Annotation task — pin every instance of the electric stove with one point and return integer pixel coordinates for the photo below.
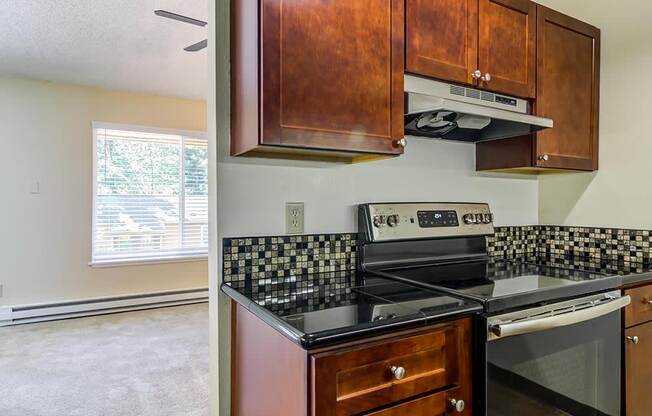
(546, 341)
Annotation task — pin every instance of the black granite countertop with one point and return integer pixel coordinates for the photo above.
(630, 273)
(320, 315)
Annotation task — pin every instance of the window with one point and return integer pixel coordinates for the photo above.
(150, 198)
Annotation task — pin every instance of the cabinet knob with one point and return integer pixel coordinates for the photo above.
(400, 143)
(634, 339)
(648, 301)
(457, 405)
(476, 74)
(397, 372)
(486, 77)
(544, 157)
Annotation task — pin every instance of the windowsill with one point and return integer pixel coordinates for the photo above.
(142, 262)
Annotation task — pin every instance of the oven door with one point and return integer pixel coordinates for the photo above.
(560, 359)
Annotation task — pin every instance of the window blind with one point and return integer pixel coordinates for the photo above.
(150, 196)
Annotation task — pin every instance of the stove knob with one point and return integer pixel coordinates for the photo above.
(486, 218)
(468, 219)
(378, 221)
(392, 220)
(478, 218)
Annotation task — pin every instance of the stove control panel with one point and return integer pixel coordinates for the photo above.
(400, 221)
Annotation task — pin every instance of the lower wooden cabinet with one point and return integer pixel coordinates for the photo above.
(352, 380)
(638, 370)
(638, 351)
(424, 371)
(438, 404)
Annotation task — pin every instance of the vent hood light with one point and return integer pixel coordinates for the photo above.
(451, 112)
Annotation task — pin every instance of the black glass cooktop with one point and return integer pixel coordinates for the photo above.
(375, 304)
(505, 284)
(367, 306)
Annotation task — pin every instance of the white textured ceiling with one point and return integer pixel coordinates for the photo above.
(116, 44)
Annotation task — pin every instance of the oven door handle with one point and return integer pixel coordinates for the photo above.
(527, 326)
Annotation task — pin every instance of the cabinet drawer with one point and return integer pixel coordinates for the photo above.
(640, 310)
(438, 404)
(360, 378)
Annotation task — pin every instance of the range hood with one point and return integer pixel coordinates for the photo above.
(452, 112)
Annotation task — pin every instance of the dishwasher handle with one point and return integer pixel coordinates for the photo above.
(569, 317)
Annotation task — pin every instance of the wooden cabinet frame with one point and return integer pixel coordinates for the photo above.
(296, 91)
(272, 375)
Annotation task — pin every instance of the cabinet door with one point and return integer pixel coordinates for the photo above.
(568, 72)
(507, 46)
(442, 38)
(638, 370)
(332, 74)
(352, 381)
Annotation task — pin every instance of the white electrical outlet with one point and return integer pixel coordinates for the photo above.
(294, 217)
(34, 187)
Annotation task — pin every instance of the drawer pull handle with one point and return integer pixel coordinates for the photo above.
(458, 405)
(634, 339)
(649, 302)
(397, 372)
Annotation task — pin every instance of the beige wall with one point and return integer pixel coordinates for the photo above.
(45, 130)
(618, 194)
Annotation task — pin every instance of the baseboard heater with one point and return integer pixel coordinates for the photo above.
(14, 315)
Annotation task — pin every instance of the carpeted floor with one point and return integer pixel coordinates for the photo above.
(152, 362)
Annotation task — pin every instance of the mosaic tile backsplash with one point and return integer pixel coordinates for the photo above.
(589, 243)
(283, 270)
(513, 241)
(282, 258)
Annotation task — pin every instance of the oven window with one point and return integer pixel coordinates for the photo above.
(572, 370)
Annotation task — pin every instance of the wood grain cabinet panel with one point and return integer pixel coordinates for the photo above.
(442, 39)
(271, 375)
(434, 405)
(638, 370)
(359, 379)
(640, 309)
(329, 76)
(507, 46)
(567, 91)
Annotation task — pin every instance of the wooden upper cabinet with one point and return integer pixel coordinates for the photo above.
(442, 38)
(451, 39)
(328, 77)
(507, 46)
(568, 85)
(567, 91)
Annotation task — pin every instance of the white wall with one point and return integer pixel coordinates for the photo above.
(618, 194)
(45, 132)
(254, 192)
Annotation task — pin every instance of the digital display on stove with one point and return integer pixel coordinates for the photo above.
(431, 219)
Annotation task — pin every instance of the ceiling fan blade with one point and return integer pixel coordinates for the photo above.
(179, 17)
(196, 46)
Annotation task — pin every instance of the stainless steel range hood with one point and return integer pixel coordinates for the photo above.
(452, 112)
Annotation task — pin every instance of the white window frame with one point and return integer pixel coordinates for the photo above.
(197, 255)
